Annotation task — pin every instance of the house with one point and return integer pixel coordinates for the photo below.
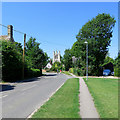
(48, 65)
(8, 37)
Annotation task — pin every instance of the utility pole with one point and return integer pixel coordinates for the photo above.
(86, 59)
(23, 56)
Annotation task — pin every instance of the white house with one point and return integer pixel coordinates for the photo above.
(48, 65)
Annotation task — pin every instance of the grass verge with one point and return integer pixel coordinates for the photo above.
(63, 104)
(67, 73)
(105, 94)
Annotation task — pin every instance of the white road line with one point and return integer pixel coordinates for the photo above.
(29, 88)
(3, 96)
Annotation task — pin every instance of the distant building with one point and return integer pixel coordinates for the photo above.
(56, 56)
(8, 37)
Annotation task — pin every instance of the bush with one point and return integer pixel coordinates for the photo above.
(11, 62)
(12, 65)
(71, 70)
(116, 72)
(77, 71)
(57, 65)
(30, 72)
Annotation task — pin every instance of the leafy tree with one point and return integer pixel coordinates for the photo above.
(108, 60)
(67, 59)
(35, 57)
(11, 61)
(98, 33)
(117, 66)
(57, 66)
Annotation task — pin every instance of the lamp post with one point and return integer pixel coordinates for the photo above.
(86, 59)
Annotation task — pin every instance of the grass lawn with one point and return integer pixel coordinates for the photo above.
(67, 73)
(63, 104)
(105, 95)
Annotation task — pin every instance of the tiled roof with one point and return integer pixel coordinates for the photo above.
(4, 37)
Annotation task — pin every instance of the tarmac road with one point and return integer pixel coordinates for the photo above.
(19, 100)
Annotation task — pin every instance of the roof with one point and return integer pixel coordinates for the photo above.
(4, 37)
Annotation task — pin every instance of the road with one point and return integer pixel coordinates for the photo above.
(19, 100)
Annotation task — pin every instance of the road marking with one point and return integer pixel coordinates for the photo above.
(29, 87)
(3, 96)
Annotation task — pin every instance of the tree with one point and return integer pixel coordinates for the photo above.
(35, 57)
(11, 61)
(67, 59)
(108, 60)
(117, 66)
(98, 33)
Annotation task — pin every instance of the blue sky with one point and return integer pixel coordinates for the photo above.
(55, 25)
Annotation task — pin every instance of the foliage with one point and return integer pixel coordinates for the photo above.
(108, 60)
(66, 72)
(12, 65)
(67, 59)
(11, 61)
(30, 72)
(117, 66)
(77, 71)
(64, 103)
(57, 66)
(97, 32)
(35, 57)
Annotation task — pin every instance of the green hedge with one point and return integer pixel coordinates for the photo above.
(32, 72)
(117, 72)
(12, 65)
(77, 71)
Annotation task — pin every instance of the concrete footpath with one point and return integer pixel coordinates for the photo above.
(87, 107)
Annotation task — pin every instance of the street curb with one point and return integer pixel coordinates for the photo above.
(44, 101)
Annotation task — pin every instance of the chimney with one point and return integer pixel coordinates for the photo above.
(10, 32)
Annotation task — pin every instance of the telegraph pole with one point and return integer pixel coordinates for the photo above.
(86, 59)
(23, 56)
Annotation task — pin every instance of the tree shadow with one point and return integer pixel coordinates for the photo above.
(6, 87)
(28, 80)
(50, 74)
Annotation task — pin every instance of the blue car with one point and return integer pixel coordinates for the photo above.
(106, 72)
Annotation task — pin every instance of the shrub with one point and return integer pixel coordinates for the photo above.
(77, 71)
(11, 62)
(116, 72)
(71, 70)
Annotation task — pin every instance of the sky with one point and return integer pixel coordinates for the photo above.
(56, 24)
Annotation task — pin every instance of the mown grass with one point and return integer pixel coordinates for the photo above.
(66, 72)
(105, 95)
(63, 104)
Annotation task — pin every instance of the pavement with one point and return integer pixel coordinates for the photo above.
(87, 107)
(19, 100)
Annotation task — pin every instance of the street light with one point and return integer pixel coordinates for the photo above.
(86, 59)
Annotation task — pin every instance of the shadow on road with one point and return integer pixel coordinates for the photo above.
(6, 87)
(50, 74)
(28, 80)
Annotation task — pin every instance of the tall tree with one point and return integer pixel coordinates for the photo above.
(67, 59)
(35, 56)
(97, 33)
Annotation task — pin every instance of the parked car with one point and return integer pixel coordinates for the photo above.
(106, 72)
